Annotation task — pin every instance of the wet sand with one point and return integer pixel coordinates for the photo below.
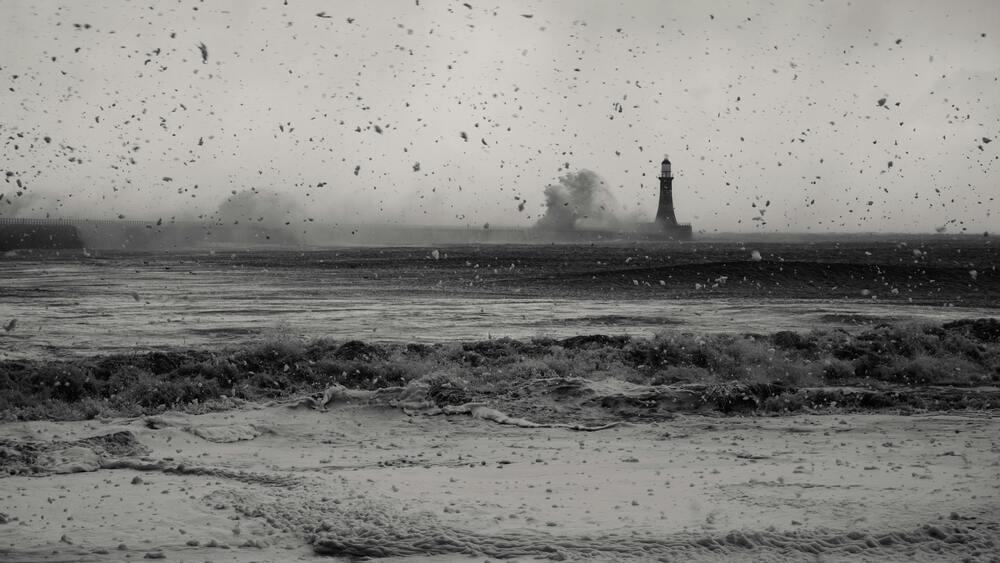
(360, 480)
(664, 483)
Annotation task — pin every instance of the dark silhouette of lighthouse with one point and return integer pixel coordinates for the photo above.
(665, 216)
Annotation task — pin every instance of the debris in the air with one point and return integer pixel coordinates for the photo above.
(263, 284)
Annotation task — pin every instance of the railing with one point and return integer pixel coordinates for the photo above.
(70, 221)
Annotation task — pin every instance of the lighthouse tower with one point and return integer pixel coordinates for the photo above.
(665, 216)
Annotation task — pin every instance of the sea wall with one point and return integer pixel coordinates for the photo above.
(18, 236)
(148, 235)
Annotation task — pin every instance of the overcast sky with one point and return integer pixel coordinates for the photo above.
(787, 115)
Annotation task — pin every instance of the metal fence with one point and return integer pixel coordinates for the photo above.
(70, 221)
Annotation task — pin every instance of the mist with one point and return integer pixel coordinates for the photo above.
(443, 114)
(20, 205)
(580, 200)
(271, 210)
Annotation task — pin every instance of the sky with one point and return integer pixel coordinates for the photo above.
(821, 116)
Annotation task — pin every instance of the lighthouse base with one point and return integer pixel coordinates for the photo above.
(661, 229)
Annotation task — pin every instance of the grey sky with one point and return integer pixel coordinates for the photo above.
(755, 102)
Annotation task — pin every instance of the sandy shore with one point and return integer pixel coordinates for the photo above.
(375, 481)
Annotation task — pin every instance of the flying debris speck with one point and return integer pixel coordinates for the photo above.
(531, 130)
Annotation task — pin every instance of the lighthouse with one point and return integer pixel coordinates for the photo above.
(665, 216)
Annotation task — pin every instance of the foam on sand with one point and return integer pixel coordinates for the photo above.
(363, 527)
(414, 399)
(219, 433)
(32, 457)
(226, 433)
(366, 480)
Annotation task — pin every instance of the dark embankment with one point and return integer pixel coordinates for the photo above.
(146, 236)
(44, 237)
(131, 235)
(954, 365)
